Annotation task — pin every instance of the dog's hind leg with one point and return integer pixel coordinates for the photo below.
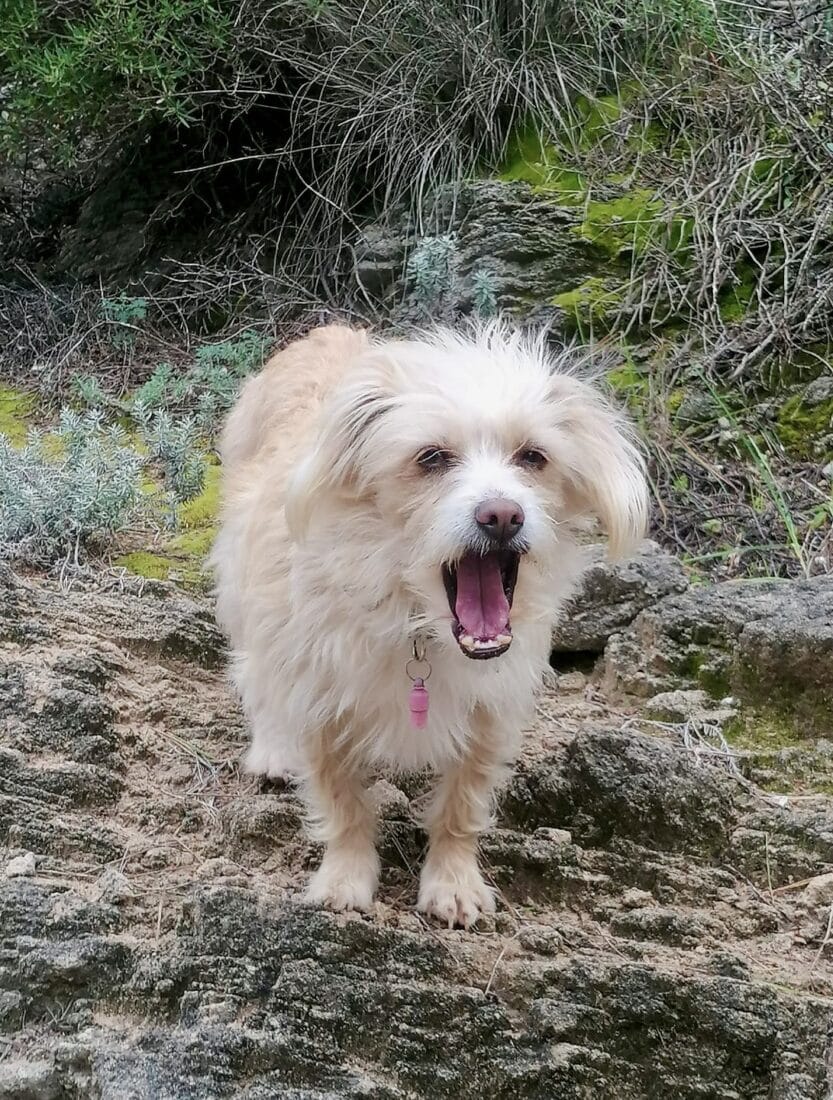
(452, 889)
(343, 817)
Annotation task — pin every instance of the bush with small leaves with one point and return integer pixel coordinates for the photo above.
(484, 290)
(61, 493)
(174, 445)
(123, 313)
(205, 390)
(432, 272)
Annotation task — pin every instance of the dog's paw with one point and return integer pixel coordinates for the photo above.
(455, 895)
(272, 761)
(344, 883)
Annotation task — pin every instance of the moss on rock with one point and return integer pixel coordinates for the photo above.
(201, 512)
(16, 409)
(801, 426)
(182, 555)
(146, 563)
(622, 224)
(590, 304)
(532, 160)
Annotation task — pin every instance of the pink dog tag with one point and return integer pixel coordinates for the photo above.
(418, 704)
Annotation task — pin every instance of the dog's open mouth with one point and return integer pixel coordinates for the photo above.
(480, 588)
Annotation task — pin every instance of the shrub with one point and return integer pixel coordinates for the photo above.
(174, 445)
(204, 391)
(123, 313)
(78, 69)
(432, 271)
(75, 488)
(61, 493)
(293, 118)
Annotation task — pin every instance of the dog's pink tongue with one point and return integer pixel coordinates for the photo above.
(482, 607)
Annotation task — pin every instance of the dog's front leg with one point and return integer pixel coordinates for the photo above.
(451, 885)
(344, 820)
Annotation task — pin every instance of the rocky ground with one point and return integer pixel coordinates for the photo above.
(664, 857)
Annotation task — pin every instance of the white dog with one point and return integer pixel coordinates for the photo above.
(398, 512)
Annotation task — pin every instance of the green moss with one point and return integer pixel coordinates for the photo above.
(16, 409)
(734, 301)
(534, 161)
(203, 509)
(624, 224)
(800, 426)
(589, 304)
(675, 399)
(193, 545)
(182, 556)
(780, 752)
(181, 562)
(764, 731)
(631, 385)
(708, 667)
(145, 563)
(596, 117)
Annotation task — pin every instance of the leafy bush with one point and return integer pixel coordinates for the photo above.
(432, 271)
(291, 118)
(204, 391)
(123, 313)
(61, 493)
(174, 445)
(78, 486)
(90, 67)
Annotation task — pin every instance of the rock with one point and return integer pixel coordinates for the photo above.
(114, 887)
(612, 595)
(519, 240)
(21, 1080)
(625, 785)
(636, 899)
(769, 644)
(818, 891)
(21, 866)
(572, 681)
(389, 801)
(667, 926)
(694, 705)
(163, 950)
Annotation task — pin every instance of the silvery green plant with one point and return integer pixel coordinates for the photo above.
(484, 293)
(61, 493)
(431, 272)
(174, 445)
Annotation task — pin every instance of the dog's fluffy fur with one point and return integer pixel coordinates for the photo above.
(330, 563)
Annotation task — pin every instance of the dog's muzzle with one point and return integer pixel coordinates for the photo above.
(480, 588)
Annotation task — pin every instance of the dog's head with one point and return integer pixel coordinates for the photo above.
(473, 456)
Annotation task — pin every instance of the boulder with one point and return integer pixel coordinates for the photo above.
(612, 594)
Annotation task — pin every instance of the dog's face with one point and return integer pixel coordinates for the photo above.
(470, 459)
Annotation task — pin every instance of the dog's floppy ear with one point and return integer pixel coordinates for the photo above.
(605, 471)
(345, 429)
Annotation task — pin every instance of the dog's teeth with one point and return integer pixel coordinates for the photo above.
(467, 641)
(503, 639)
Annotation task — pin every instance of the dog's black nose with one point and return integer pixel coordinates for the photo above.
(499, 518)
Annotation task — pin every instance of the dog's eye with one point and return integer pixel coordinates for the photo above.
(532, 458)
(434, 459)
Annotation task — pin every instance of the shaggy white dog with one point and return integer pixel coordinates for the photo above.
(398, 512)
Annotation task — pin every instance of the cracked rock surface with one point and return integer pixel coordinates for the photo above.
(664, 905)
